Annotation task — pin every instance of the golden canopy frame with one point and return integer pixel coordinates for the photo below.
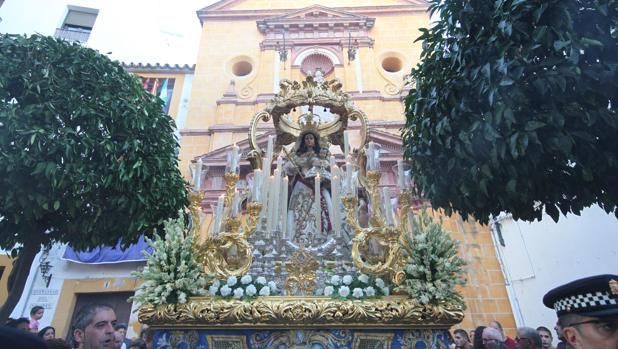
(292, 94)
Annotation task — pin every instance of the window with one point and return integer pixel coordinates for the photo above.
(77, 24)
(162, 87)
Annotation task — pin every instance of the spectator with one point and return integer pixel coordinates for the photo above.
(560, 334)
(13, 338)
(138, 344)
(93, 327)
(21, 324)
(461, 339)
(147, 336)
(528, 338)
(546, 337)
(36, 313)
(121, 328)
(118, 343)
(47, 333)
(493, 339)
(510, 343)
(57, 343)
(587, 311)
(477, 339)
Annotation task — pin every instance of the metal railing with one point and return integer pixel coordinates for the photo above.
(72, 34)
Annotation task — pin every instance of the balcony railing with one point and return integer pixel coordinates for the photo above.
(72, 34)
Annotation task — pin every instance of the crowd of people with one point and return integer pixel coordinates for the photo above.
(493, 337)
(587, 311)
(94, 327)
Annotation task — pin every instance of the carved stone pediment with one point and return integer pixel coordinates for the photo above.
(316, 24)
(316, 14)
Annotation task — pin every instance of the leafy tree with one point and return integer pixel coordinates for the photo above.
(514, 107)
(88, 157)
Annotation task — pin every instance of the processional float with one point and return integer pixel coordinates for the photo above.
(294, 282)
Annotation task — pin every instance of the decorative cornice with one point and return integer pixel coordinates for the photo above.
(316, 25)
(159, 68)
(305, 312)
(354, 96)
(218, 11)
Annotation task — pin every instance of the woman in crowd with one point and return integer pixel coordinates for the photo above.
(47, 333)
(478, 338)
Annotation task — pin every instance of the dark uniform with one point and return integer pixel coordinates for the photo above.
(587, 310)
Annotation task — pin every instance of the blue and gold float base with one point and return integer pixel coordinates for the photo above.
(301, 323)
(300, 339)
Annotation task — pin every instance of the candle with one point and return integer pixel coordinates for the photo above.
(236, 204)
(279, 163)
(269, 154)
(318, 208)
(346, 144)
(335, 219)
(198, 175)
(276, 193)
(333, 164)
(370, 156)
(265, 192)
(235, 158)
(348, 178)
(400, 174)
(284, 206)
(388, 209)
(218, 214)
(271, 200)
(256, 186)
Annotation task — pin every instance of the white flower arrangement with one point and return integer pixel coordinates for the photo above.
(360, 286)
(247, 287)
(433, 268)
(172, 274)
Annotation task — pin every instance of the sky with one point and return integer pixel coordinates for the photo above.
(138, 31)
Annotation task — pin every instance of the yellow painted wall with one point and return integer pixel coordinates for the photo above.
(485, 294)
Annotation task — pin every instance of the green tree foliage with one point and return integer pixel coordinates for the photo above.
(88, 157)
(514, 107)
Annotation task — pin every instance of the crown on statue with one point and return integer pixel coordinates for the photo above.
(309, 122)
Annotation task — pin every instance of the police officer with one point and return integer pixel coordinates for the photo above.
(587, 310)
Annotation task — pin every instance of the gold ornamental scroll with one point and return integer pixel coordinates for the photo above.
(292, 94)
(302, 312)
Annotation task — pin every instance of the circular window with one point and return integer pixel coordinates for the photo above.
(242, 68)
(392, 64)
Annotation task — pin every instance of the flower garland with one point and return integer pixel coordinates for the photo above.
(355, 287)
(171, 274)
(245, 288)
(433, 268)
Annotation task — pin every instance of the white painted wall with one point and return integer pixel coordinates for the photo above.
(145, 31)
(541, 255)
(36, 291)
